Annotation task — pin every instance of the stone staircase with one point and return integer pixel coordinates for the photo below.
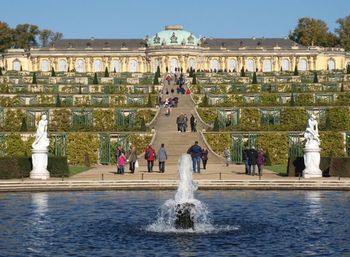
(166, 130)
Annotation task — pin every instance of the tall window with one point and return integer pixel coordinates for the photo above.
(80, 65)
(232, 65)
(191, 63)
(116, 65)
(155, 65)
(302, 65)
(267, 66)
(285, 64)
(214, 65)
(133, 66)
(331, 64)
(45, 65)
(173, 64)
(97, 66)
(16, 65)
(62, 65)
(250, 65)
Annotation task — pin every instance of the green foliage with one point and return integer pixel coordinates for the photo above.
(34, 78)
(315, 77)
(338, 119)
(250, 119)
(255, 81)
(269, 142)
(343, 33)
(348, 69)
(296, 72)
(332, 144)
(58, 101)
(81, 144)
(106, 73)
(242, 72)
(194, 79)
(61, 120)
(95, 80)
(24, 127)
(205, 101)
(103, 119)
(140, 141)
(269, 99)
(53, 73)
(191, 72)
(293, 119)
(13, 120)
(149, 101)
(305, 99)
(218, 142)
(156, 80)
(208, 115)
(147, 116)
(0, 71)
(16, 146)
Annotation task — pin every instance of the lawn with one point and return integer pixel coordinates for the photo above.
(73, 170)
(280, 169)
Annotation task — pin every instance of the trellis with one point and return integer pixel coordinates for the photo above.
(271, 116)
(238, 142)
(296, 145)
(126, 118)
(82, 119)
(33, 116)
(228, 117)
(108, 143)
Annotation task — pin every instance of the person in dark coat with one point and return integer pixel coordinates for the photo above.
(252, 158)
(245, 160)
(195, 151)
(162, 157)
(204, 157)
(193, 123)
(150, 156)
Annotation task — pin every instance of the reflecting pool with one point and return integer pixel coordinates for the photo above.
(117, 223)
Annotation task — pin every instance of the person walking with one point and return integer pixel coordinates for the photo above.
(193, 123)
(252, 157)
(185, 123)
(132, 157)
(227, 156)
(245, 160)
(162, 157)
(150, 156)
(261, 161)
(121, 162)
(117, 152)
(195, 152)
(204, 157)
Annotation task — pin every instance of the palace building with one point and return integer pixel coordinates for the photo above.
(173, 48)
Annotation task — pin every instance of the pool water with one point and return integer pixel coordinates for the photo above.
(116, 223)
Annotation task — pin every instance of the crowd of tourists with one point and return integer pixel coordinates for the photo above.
(254, 158)
(182, 123)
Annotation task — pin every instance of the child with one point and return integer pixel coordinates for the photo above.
(121, 163)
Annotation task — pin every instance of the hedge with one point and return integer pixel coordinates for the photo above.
(17, 167)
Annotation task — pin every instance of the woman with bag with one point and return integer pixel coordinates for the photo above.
(132, 157)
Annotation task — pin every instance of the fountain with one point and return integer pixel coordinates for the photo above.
(184, 212)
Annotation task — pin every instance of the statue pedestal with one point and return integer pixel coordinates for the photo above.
(312, 163)
(39, 161)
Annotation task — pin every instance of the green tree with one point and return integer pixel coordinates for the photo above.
(149, 101)
(0, 71)
(156, 80)
(348, 69)
(191, 72)
(58, 101)
(315, 77)
(158, 71)
(6, 36)
(34, 79)
(194, 79)
(25, 36)
(205, 101)
(309, 32)
(106, 73)
(296, 72)
(44, 37)
(53, 73)
(24, 127)
(242, 72)
(255, 81)
(95, 80)
(344, 32)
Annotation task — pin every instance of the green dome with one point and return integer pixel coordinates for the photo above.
(173, 36)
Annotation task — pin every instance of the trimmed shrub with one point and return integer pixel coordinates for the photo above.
(34, 79)
(106, 73)
(255, 81)
(95, 80)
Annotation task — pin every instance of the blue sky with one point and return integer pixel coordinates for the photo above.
(136, 19)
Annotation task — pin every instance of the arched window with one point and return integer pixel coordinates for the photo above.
(250, 65)
(16, 65)
(80, 65)
(116, 65)
(214, 65)
(62, 65)
(331, 64)
(285, 64)
(267, 66)
(155, 65)
(97, 66)
(133, 66)
(302, 65)
(191, 63)
(45, 65)
(232, 65)
(173, 64)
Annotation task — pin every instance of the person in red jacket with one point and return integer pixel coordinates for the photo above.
(150, 156)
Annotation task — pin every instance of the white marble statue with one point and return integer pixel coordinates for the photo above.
(40, 151)
(41, 141)
(312, 149)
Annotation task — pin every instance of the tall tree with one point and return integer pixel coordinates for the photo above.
(25, 36)
(255, 81)
(44, 37)
(311, 31)
(6, 35)
(106, 73)
(344, 32)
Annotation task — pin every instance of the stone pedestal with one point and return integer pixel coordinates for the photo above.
(312, 163)
(39, 161)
